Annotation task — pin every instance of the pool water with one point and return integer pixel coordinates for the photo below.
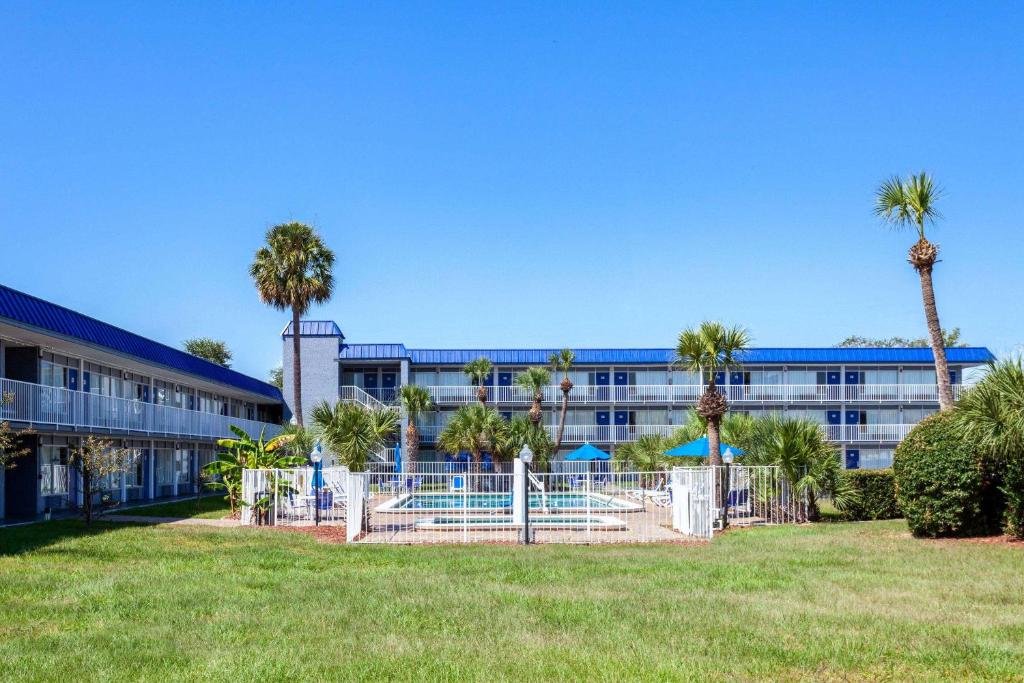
(577, 522)
(501, 501)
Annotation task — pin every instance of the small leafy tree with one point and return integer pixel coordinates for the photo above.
(94, 459)
(10, 439)
(478, 371)
(353, 432)
(277, 377)
(213, 350)
(245, 453)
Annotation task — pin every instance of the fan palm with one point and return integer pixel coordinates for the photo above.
(478, 371)
(646, 454)
(991, 415)
(293, 270)
(910, 204)
(353, 432)
(706, 350)
(534, 380)
(561, 361)
(472, 428)
(415, 400)
(805, 457)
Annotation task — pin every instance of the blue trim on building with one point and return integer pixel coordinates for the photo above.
(25, 310)
(314, 328)
(766, 356)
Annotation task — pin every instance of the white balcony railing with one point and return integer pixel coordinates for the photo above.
(43, 406)
(576, 434)
(689, 393)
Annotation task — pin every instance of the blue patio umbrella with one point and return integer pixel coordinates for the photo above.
(698, 448)
(588, 452)
(398, 458)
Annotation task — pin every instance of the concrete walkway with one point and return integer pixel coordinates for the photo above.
(182, 521)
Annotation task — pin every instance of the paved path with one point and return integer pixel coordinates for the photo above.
(183, 521)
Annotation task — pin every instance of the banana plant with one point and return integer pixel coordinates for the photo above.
(245, 453)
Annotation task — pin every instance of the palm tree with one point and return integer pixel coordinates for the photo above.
(561, 361)
(805, 457)
(507, 442)
(705, 351)
(293, 270)
(415, 400)
(910, 204)
(353, 432)
(646, 454)
(991, 416)
(534, 380)
(478, 371)
(472, 428)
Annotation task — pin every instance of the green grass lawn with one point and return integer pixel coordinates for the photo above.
(832, 601)
(207, 507)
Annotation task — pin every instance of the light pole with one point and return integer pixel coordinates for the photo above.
(316, 457)
(526, 456)
(727, 460)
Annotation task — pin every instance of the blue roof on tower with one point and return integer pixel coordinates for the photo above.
(658, 356)
(25, 310)
(315, 328)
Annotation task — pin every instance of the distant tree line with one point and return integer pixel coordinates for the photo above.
(951, 338)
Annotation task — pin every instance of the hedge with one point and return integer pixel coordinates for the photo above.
(942, 485)
(876, 495)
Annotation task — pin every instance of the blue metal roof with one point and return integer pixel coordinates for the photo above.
(31, 312)
(765, 356)
(315, 328)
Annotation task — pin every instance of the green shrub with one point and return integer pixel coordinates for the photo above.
(941, 483)
(875, 495)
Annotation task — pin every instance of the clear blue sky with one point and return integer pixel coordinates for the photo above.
(515, 175)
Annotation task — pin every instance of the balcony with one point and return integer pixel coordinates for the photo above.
(42, 406)
(688, 393)
(577, 434)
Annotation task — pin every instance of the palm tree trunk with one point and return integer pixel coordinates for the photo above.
(561, 421)
(536, 411)
(296, 367)
(412, 447)
(931, 315)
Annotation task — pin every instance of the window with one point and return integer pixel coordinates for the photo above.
(183, 466)
(876, 459)
(164, 466)
(134, 474)
(919, 376)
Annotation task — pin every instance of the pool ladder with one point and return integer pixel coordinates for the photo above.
(540, 487)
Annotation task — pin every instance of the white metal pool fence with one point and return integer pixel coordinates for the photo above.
(487, 507)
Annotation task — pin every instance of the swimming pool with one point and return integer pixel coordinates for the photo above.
(457, 502)
(577, 522)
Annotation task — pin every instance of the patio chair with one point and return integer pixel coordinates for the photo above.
(739, 500)
(664, 499)
(295, 508)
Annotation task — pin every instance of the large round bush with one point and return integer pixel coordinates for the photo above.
(941, 482)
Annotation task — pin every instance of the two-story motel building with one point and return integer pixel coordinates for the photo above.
(867, 399)
(64, 375)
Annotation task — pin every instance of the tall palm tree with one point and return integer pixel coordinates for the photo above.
(353, 432)
(478, 371)
(534, 380)
(561, 361)
(472, 428)
(293, 270)
(706, 350)
(910, 204)
(415, 400)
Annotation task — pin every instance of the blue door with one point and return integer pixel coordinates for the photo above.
(952, 376)
(145, 394)
(387, 385)
(191, 402)
(852, 377)
(601, 380)
(85, 382)
(489, 379)
(832, 377)
(853, 417)
(720, 378)
(504, 379)
(834, 417)
(621, 425)
(852, 459)
(602, 418)
(73, 379)
(621, 382)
